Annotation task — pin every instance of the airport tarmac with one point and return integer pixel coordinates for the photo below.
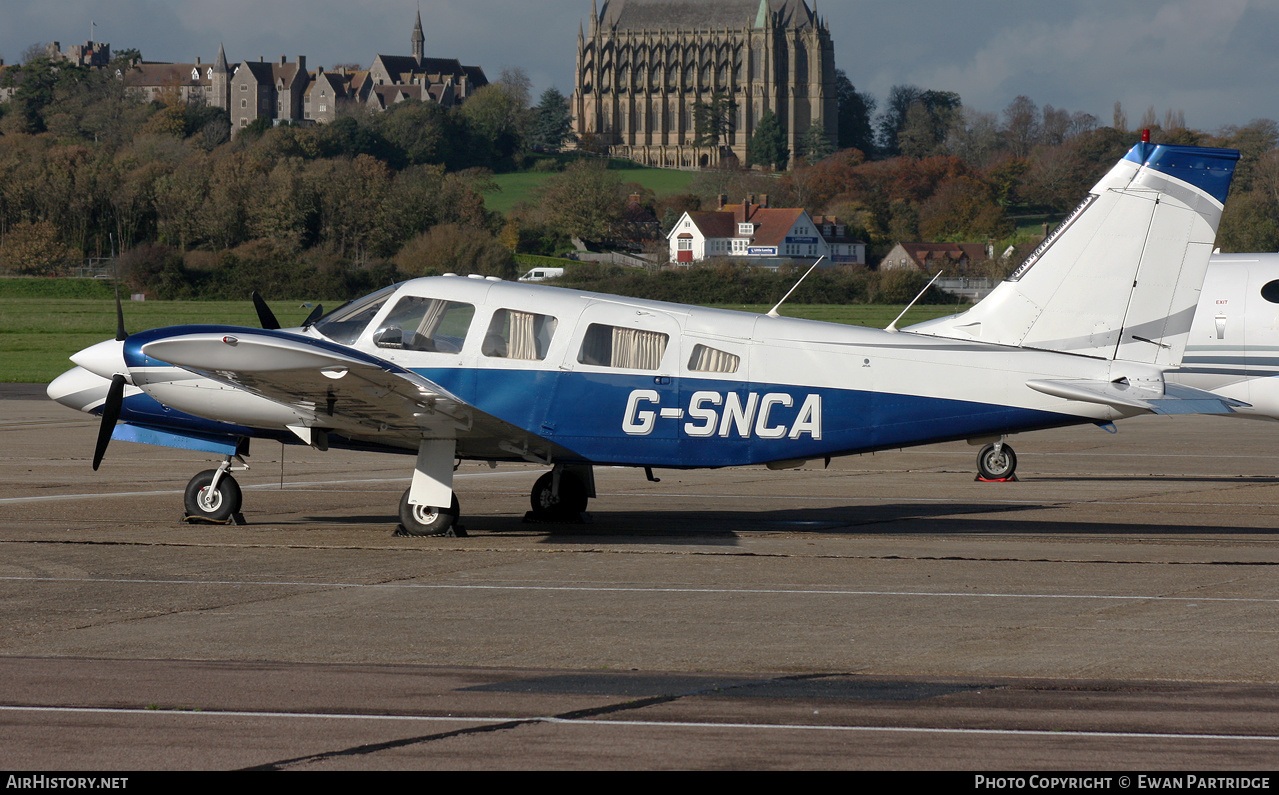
(1116, 609)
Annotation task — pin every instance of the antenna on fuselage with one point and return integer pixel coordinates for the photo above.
(892, 327)
(773, 312)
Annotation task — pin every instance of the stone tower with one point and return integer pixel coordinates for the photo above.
(220, 82)
(419, 40)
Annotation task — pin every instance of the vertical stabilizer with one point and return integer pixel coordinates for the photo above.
(1120, 277)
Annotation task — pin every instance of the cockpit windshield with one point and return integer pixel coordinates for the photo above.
(347, 322)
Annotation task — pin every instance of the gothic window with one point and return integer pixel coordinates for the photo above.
(639, 77)
(706, 76)
(623, 76)
(722, 77)
(657, 77)
(605, 76)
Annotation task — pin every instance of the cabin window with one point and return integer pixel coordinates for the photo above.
(1270, 291)
(519, 335)
(710, 360)
(611, 346)
(347, 322)
(425, 324)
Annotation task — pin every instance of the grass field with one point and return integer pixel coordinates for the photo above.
(518, 187)
(38, 334)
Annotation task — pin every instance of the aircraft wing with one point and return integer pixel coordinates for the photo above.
(343, 390)
(1158, 398)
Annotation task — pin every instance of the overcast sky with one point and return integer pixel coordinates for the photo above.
(1213, 59)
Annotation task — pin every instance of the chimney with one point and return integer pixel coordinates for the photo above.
(723, 199)
(301, 63)
(763, 200)
(197, 60)
(260, 59)
(283, 60)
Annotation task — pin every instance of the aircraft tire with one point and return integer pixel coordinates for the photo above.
(218, 506)
(996, 466)
(572, 499)
(427, 520)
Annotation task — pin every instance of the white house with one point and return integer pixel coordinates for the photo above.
(763, 235)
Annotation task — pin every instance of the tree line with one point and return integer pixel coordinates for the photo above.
(88, 169)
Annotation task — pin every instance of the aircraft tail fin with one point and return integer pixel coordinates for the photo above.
(1120, 277)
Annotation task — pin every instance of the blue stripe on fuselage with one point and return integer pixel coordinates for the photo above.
(586, 412)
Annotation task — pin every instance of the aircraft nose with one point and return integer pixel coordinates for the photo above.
(104, 359)
(79, 389)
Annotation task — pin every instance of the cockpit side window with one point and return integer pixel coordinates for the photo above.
(613, 346)
(519, 335)
(425, 324)
(347, 322)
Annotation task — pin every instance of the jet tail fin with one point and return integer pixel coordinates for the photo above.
(1120, 277)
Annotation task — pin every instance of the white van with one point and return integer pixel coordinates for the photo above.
(542, 274)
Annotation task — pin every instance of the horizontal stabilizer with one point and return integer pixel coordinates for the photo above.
(1155, 397)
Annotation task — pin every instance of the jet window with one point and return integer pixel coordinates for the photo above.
(347, 322)
(1270, 291)
(710, 360)
(610, 346)
(425, 324)
(519, 335)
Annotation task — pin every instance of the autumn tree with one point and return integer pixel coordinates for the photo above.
(450, 248)
(583, 201)
(35, 249)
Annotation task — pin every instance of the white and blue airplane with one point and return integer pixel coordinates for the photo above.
(449, 368)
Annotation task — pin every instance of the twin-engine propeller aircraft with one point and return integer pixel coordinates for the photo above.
(450, 368)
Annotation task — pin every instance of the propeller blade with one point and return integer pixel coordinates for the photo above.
(120, 334)
(315, 315)
(110, 413)
(265, 316)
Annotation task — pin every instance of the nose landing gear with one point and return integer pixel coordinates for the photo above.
(214, 497)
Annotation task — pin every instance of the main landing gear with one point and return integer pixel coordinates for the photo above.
(214, 496)
(429, 520)
(561, 494)
(997, 462)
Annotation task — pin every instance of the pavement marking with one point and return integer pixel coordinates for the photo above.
(550, 720)
(649, 589)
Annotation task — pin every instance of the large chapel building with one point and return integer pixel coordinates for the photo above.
(645, 65)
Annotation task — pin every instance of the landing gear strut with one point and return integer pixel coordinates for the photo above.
(996, 462)
(214, 496)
